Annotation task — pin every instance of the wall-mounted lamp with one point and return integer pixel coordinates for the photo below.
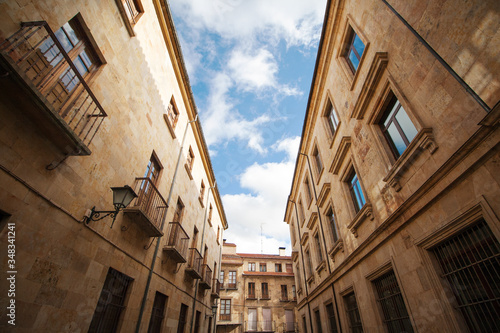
(122, 197)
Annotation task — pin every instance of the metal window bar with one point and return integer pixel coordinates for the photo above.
(470, 262)
(195, 260)
(391, 301)
(331, 318)
(178, 238)
(71, 98)
(353, 313)
(158, 313)
(207, 274)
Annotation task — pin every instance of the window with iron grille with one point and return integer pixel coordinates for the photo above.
(284, 292)
(330, 312)
(351, 307)
(391, 301)
(182, 318)
(225, 309)
(111, 302)
(158, 313)
(356, 192)
(317, 316)
(470, 263)
(397, 127)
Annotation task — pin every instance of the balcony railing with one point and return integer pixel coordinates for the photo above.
(206, 281)
(251, 296)
(216, 288)
(232, 286)
(260, 326)
(58, 99)
(149, 207)
(266, 296)
(177, 243)
(194, 264)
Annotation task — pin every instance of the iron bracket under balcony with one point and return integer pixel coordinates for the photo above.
(67, 114)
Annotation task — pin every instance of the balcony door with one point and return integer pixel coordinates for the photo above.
(146, 191)
(290, 321)
(252, 319)
(267, 322)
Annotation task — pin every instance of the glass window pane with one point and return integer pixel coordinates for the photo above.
(71, 33)
(86, 59)
(354, 60)
(406, 124)
(63, 39)
(358, 45)
(396, 139)
(80, 66)
(389, 116)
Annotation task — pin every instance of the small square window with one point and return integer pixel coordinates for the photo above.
(251, 267)
(354, 50)
(172, 113)
(190, 159)
(133, 9)
(278, 268)
(263, 267)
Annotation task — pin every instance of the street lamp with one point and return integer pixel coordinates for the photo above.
(122, 197)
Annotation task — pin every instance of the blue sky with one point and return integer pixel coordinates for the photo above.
(250, 64)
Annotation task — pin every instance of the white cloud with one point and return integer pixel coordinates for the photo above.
(253, 71)
(269, 184)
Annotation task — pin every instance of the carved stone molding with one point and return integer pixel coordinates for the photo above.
(345, 145)
(365, 213)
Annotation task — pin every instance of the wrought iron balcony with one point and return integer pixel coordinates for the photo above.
(260, 326)
(194, 264)
(41, 81)
(216, 288)
(206, 281)
(177, 243)
(149, 208)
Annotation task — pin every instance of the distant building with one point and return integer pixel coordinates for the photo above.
(395, 202)
(94, 95)
(257, 292)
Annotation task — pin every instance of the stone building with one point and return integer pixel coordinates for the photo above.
(393, 211)
(94, 95)
(257, 292)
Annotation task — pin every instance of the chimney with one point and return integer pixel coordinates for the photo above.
(282, 251)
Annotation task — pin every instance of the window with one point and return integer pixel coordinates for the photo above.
(265, 290)
(330, 312)
(277, 268)
(333, 225)
(263, 267)
(351, 307)
(172, 113)
(289, 268)
(292, 232)
(133, 9)
(309, 263)
(317, 160)
(225, 309)
(318, 247)
(307, 186)
(304, 323)
(231, 283)
(469, 262)
(182, 318)
(299, 278)
(158, 313)
(111, 302)
(301, 211)
(284, 292)
(397, 127)
(294, 293)
(251, 289)
(202, 191)
(391, 301)
(197, 322)
(210, 211)
(331, 118)
(179, 211)
(218, 234)
(190, 159)
(356, 191)
(317, 316)
(221, 279)
(251, 267)
(354, 50)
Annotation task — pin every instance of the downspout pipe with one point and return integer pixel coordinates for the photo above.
(436, 55)
(303, 264)
(201, 249)
(148, 283)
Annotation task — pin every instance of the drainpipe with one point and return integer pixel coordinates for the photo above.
(303, 264)
(323, 234)
(201, 248)
(145, 296)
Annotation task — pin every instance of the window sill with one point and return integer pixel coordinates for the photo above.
(265, 298)
(338, 246)
(252, 298)
(423, 140)
(321, 266)
(169, 126)
(364, 213)
(188, 170)
(310, 279)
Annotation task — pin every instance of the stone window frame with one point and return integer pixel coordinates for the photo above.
(307, 182)
(319, 165)
(309, 265)
(327, 108)
(210, 212)
(358, 217)
(189, 162)
(424, 140)
(455, 224)
(302, 214)
(172, 117)
(351, 27)
(130, 18)
(202, 194)
(344, 293)
(318, 252)
(337, 245)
